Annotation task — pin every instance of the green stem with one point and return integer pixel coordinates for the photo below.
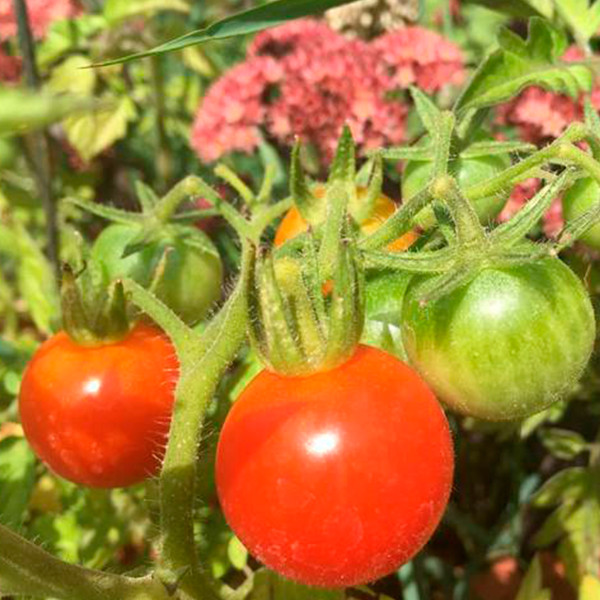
(26, 569)
(194, 186)
(522, 170)
(40, 144)
(202, 363)
(163, 164)
(578, 157)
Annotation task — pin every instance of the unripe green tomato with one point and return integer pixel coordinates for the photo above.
(384, 297)
(580, 197)
(193, 276)
(8, 153)
(506, 345)
(468, 171)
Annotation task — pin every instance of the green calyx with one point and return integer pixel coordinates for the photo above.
(299, 322)
(364, 188)
(93, 313)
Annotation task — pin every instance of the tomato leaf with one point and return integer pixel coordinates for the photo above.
(531, 588)
(17, 478)
(566, 486)
(520, 63)
(243, 23)
(562, 443)
(581, 17)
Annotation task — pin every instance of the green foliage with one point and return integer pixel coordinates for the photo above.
(520, 63)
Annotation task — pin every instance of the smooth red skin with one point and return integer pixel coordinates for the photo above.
(99, 416)
(363, 506)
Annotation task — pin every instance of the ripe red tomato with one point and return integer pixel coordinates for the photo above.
(99, 416)
(506, 345)
(337, 478)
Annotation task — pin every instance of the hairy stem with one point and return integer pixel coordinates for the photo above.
(26, 569)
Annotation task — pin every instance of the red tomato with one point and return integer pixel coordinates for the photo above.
(337, 478)
(99, 416)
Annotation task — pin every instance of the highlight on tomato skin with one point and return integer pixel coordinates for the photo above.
(99, 416)
(337, 478)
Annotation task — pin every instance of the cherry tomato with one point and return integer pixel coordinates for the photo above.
(385, 292)
(506, 345)
(337, 478)
(294, 224)
(578, 199)
(468, 171)
(99, 416)
(192, 279)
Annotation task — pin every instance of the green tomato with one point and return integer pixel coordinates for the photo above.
(384, 297)
(468, 171)
(582, 195)
(193, 275)
(506, 345)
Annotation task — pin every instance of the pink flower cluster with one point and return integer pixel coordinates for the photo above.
(304, 79)
(10, 68)
(542, 116)
(41, 14)
(552, 221)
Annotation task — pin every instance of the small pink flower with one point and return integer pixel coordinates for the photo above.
(41, 14)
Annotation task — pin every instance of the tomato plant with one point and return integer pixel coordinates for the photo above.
(294, 223)
(506, 345)
(99, 415)
(336, 478)
(385, 291)
(578, 199)
(192, 277)
(468, 171)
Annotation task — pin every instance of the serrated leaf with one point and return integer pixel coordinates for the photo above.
(562, 443)
(243, 23)
(270, 586)
(17, 477)
(566, 486)
(73, 76)
(519, 63)
(118, 10)
(428, 112)
(532, 584)
(92, 133)
(589, 588)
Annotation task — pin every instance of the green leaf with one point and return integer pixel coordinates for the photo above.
(566, 486)
(37, 284)
(419, 152)
(72, 76)
(562, 443)
(589, 588)
(531, 588)
(247, 22)
(92, 133)
(518, 8)
(581, 18)
(22, 111)
(118, 10)
(237, 553)
(428, 112)
(520, 63)
(270, 586)
(17, 477)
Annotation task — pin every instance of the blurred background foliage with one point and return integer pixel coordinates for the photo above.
(524, 520)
